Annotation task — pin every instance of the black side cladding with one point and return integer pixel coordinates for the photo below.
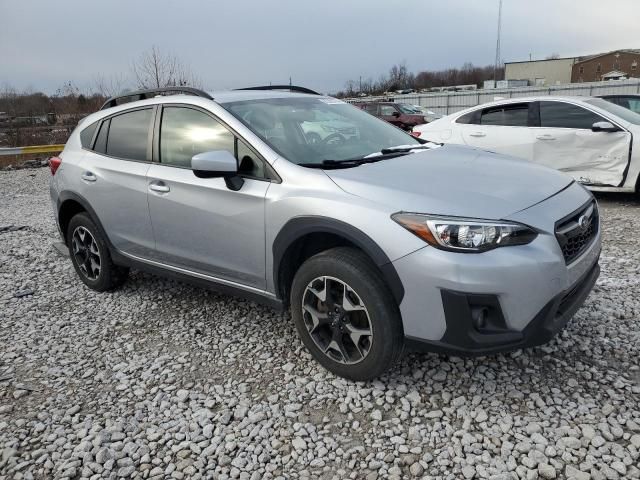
(300, 226)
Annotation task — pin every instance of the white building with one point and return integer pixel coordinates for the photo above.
(553, 71)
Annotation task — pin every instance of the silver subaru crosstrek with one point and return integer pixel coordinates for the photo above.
(378, 242)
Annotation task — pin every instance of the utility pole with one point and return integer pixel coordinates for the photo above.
(360, 90)
(497, 62)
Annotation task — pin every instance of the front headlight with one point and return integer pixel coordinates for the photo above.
(465, 234)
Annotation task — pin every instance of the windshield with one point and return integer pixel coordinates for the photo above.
(617, 110)
(309, 130)
(407, 108)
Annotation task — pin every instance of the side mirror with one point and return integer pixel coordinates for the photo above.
(604, 127)
(217, 163)
(396, 114)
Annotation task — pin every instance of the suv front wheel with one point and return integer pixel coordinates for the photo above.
(90, 255)
(346, 315)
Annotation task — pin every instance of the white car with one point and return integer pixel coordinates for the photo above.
(588, 138)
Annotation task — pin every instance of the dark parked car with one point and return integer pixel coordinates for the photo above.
(403, 116)
(629, 101)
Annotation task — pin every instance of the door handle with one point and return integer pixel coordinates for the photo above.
(477, 134)
(88, 176)
(159, 187)
(546, 137)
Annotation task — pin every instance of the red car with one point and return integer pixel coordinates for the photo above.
(400, 115)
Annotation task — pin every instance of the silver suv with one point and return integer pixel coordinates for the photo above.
(378, 242)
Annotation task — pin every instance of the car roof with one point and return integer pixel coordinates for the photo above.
(506, 101)
(220, 97)
(226, 96)
(615, 95)
(564, 98)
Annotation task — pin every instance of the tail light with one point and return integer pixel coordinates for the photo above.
(54, 164)
(415, 134)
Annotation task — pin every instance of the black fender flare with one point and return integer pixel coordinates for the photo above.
(65, 195)
(299, 226)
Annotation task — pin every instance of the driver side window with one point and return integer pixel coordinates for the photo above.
(248, 163)
(185, 132)
(387, 110)
(567, 115)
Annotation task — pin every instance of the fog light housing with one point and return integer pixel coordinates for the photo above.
(479, 316)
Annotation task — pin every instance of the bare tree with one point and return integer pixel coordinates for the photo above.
(155, 69)
(400, 77)
(110, 86)
(350, 88)
(9, 99)
(553, 56)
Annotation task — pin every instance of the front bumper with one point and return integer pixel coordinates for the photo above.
(502, 299)
(464, 337)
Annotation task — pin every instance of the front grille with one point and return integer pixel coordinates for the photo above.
(576, 232)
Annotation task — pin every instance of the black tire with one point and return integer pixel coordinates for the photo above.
(353, 268)
(110, 275)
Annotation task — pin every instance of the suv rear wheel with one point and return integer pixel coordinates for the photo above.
(346, 315)
(90, 255)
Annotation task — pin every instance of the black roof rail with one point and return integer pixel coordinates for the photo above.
(154, 92)
(291, 88)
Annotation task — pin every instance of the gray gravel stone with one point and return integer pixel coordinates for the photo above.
(163, 380)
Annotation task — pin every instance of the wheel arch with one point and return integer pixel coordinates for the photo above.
(70, 204)
(302, 237)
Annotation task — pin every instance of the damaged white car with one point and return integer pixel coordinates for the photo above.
(587, 138)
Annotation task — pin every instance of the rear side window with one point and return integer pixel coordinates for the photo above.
(467, 118)
(371, 108)
(101, 139)
(87, 135)
(129, 135)
(185, 132)
(506, 115)
(566, 115)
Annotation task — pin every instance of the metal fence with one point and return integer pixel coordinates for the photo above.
(31, 150)
(445, 103)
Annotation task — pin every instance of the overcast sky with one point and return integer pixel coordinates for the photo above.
(320, 44)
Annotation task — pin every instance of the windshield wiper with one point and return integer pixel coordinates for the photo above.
(407, 148)
(385, 153)
(353, 162)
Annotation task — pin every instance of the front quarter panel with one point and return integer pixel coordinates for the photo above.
(311, 193)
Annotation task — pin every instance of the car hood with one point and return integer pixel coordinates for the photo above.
(453, 180)
(415, 116)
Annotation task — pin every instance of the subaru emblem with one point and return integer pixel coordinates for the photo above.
(584, 222)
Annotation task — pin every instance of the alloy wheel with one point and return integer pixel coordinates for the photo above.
(86, 253)
(337, 320)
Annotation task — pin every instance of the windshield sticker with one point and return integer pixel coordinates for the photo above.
(331, 101)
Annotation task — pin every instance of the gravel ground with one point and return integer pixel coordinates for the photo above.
(164, 380)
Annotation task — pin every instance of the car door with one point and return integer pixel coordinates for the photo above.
(499, 128)
(565, 141)
(371, 108)
(113, 179)
(200, 224)
(390, 113)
